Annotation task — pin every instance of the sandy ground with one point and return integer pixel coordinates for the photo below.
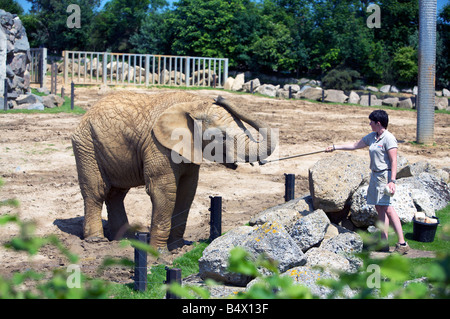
(38, 168)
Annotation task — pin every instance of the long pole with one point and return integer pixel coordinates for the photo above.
(427, 70)
(262, 162)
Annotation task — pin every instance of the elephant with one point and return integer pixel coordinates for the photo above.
(158, 141)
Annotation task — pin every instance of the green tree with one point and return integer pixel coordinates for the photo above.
(46, 24)
(443, 48)
(11, 6)
(405, 65)
(116, 23)
(203, 28)
(153, 36)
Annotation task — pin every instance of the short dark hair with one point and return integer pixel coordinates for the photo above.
(380, 116)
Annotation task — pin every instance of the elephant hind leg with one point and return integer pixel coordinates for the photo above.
(117, 217)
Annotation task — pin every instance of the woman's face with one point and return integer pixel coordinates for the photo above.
(375, 126)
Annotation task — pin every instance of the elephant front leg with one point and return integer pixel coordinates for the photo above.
(92, 225)
(187, 187)
(163, 195)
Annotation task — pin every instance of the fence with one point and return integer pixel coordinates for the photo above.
(38, 66)
(107, 68)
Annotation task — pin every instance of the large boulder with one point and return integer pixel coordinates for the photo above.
(268, 89)
(319, 257)
(238, 82)
(272, 240)
(285, 214)
(436, 189)
(214, 262)
(336, 96)
(17, 55)
(334, 179)
(311, 93)
(373, 100)
(247, 87)
(310, 230)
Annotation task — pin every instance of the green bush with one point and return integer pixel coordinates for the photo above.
(341, 79)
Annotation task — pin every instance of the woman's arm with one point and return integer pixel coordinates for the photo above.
(347, 147)
(392, 153)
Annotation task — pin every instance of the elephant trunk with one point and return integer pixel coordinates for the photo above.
(254, 150)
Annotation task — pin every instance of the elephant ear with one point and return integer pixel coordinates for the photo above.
(175, 130)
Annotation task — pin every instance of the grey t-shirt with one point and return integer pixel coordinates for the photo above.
(378, 147)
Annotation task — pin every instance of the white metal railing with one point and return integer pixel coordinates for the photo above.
(107, 68)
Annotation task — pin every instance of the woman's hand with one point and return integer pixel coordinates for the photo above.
(330, 149)
(392, 188)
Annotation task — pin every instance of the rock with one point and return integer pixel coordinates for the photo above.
(282, 215)
(285, 214)
(391, 101)
(347, 243)
(228, 83)
(361, 214)
(268, 89)
(441, 103)
(373, 100)
(308, 277)
(394, 89)
(420, 167)
(238, 82)
(311, 94)
(445, 92)
(336, 96)
(28, 99)
(385, 88)
(214, 262)
(17, 54)
(283, 94)
(247, 85)
(353, 98)
(415, 90)
(294, 87)
(310, 230)
(372, 88)
(435, 188)
(52, 101)
(406, 103)
(334, 179)
(272, 240)
(318, 257)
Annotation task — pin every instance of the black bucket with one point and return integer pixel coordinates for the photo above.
(424, 232)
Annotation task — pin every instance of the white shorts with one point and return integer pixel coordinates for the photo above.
(375, 192)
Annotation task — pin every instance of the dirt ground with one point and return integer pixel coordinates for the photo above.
(38, 168)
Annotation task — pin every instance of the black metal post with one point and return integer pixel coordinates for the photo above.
(216, 217)
(251, 87)
(72, 95)
(172, 275)
(289, 193)
(370, 99)
(323, 95)
(62, 92)
(140, 264)
(5, 96)
(290, 92)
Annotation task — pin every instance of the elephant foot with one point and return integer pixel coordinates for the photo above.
(96, 239)
(178, 244)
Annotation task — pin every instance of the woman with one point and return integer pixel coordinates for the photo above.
(383, 163)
